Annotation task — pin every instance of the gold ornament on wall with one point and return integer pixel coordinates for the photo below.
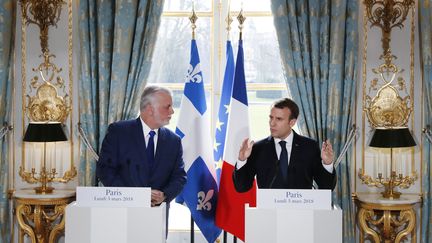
(47, 105)
(43, 13)
(387, 109)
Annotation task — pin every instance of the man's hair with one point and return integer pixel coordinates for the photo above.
(147, 96)
(290, 104)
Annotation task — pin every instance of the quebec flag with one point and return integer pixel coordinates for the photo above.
(200, 192)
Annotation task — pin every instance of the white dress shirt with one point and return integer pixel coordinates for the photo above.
(146, 130)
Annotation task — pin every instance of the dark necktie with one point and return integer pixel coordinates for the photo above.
(283, 159)
(150, 149)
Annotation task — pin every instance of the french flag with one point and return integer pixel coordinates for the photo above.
(230, 212)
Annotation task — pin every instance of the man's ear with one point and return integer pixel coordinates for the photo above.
(292, 122)
(149, 109)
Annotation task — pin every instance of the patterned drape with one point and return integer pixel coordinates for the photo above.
(318, 43)
(117, 39)
(7, 25)
(425, 22)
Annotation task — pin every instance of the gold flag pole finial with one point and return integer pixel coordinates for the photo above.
(193, 18)
(228, 20)
(241, 19)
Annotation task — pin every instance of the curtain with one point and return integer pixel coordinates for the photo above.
(425, 22)
(7, 25)
(318, 43)
(117, 39)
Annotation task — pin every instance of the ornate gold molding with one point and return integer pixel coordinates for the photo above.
(387, 14)
(386, 221)
(387, 108)
(43, 13)
(41, 219)
(47, 105)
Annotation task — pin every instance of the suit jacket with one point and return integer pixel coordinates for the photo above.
(123, 161)
(304, 167)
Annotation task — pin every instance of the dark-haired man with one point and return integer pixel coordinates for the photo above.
(284, 159)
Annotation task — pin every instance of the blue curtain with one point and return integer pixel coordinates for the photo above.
(318, 43)
(425, 22)
(7, 25)
(117, 39)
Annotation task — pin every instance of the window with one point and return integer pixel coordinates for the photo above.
(263, 69)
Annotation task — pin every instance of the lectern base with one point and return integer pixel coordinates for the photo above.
(293, 225)
(115, 224)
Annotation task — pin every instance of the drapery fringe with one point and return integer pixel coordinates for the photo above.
(5, 129)
(351, 137)
(428, 134)
(86, 142)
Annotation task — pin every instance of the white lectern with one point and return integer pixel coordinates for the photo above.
(292, 219)
(114, 222)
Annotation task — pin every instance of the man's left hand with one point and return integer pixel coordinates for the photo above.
(157, 197)
(327, 153)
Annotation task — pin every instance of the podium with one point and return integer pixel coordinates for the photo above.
(114, 222)
(277, 220)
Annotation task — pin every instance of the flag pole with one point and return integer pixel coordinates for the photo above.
(193, 18)
(241, 19)
(228, 21)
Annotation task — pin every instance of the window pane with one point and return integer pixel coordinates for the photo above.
(251, 5)
(186, 5)
(259, 110)
(172, 52)
(261, 50)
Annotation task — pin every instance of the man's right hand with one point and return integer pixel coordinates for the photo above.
(245, 149)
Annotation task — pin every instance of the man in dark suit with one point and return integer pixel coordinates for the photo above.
(284, 159)
(142, 153)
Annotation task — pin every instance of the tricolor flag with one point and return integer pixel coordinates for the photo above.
(230, 214)
(222, 121)
(200, 192)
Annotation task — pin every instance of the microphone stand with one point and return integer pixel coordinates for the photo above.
(275, 174)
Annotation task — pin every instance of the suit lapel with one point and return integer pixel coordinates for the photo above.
(271, 148)
(139, 139)
(295, 150)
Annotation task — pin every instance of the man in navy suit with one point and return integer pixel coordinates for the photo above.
(284, 159)
(142, 153)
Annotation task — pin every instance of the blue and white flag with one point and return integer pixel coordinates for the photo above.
(223, 112)
(200, 192)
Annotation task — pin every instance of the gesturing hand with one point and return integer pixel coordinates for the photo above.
(327, 153)
(245, 149)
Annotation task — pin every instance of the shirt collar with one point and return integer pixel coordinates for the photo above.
(146, 129)
(288, 139)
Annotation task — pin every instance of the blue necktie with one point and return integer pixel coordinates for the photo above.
(150, 149)
(283, 159)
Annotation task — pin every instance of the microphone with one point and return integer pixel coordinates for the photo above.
(275, 174)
